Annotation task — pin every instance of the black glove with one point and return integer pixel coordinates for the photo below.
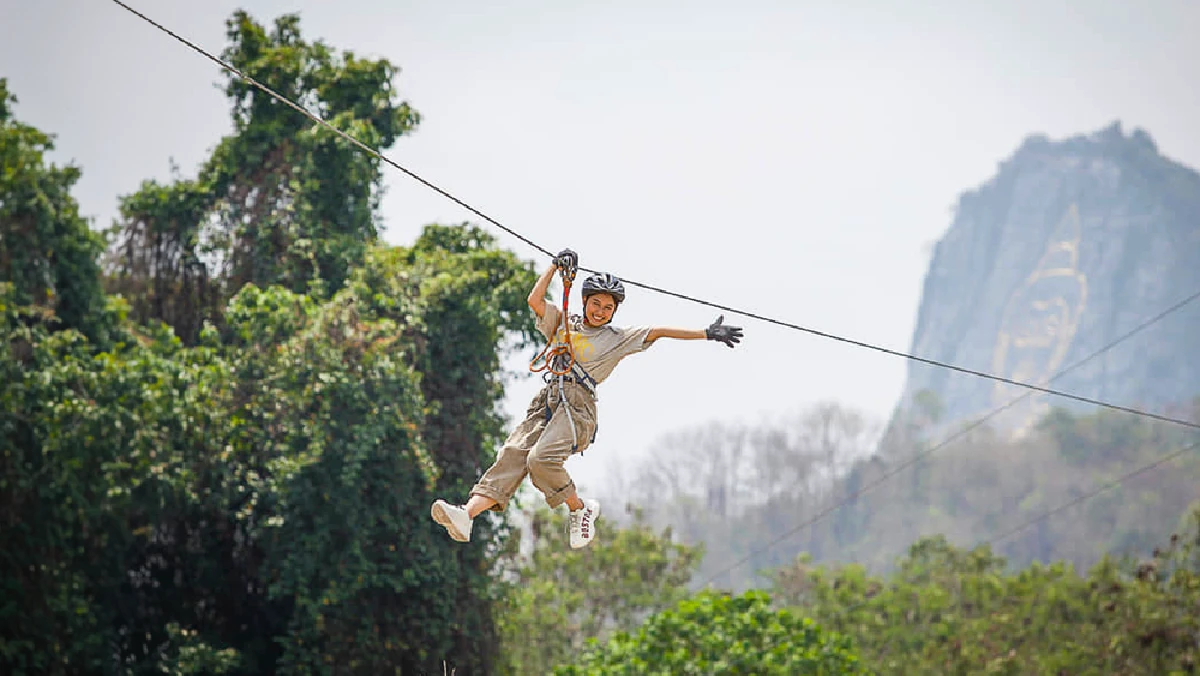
(723, 332)
(567, 259)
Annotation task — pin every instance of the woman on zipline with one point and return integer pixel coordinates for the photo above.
(561, 420)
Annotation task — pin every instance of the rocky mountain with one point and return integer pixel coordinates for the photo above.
(1072, 244)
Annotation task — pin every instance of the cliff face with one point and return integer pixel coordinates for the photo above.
(1071, 244)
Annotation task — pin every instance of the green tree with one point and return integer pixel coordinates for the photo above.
(283, 200)
(339, 436)
(96, 449)
(328, 432)
(47, 251)
(558, 598)
(721, 635)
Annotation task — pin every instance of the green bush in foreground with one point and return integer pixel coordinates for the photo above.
(719, 635)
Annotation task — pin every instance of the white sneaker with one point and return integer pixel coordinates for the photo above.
(583, 524)
(454, 518)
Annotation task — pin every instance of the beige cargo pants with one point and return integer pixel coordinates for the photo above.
(540, 446)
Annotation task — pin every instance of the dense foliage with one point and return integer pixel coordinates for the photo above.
(47, 251)
(718, 635)
(227, 467)
(954, 611)
(282, 200)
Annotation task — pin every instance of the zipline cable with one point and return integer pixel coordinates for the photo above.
(753, 315)
(957, 435)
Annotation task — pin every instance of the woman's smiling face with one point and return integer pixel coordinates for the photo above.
(598, 309)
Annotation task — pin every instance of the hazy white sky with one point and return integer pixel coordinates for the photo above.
(794, 159)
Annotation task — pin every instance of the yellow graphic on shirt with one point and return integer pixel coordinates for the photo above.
(580, 345)
(1039, 324)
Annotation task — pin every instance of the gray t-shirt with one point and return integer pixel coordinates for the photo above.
(597, 349)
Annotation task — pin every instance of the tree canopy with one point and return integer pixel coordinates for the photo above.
(231, 480)
(282, 200)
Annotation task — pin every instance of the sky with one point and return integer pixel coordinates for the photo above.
(792, 159)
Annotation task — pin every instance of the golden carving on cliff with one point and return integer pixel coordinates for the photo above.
(1039, 324)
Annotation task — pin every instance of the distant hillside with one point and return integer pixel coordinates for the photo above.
(1070, 245)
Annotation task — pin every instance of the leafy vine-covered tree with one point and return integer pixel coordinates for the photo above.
(282, 200)
(47, 251)
(242, 489)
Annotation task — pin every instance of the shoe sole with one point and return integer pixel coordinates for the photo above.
(595, 516)
(439, 514)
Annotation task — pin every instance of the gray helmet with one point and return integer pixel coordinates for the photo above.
(602, 282)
